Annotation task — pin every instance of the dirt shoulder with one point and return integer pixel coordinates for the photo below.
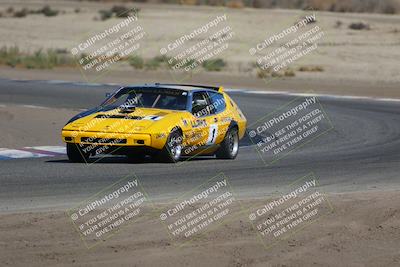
(362, 230)
(29, 125)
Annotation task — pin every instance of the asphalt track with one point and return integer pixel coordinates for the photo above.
(361, 153)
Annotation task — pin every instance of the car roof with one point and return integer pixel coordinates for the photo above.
(184, 87)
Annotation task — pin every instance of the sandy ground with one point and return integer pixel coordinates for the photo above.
(32, 126)
(351, 59)
(362, 230)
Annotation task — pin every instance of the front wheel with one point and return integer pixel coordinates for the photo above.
(75, 154)
(173, 148)
(229, 148)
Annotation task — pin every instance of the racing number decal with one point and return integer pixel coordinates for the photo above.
(212, 134)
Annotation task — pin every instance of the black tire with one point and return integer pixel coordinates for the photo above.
(229, 148)
(172, 151)
(75, 154)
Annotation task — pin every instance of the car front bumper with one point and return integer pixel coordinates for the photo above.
(107, 139)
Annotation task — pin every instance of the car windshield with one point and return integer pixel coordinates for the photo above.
(147, 97)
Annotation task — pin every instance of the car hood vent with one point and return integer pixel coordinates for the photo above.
(115, 116)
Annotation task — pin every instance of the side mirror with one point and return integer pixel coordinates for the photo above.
(108, 95)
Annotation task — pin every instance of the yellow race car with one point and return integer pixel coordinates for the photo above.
(167, 121)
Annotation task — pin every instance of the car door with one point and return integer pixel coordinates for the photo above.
(204, 124)
(221, 118)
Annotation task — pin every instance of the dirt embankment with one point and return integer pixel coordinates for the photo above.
(362, 230)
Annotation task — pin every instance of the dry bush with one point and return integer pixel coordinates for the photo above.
(21, 13)
(311, 68)
(235, 4)
(289, 73)
(370, 6)
(262, 74)
(359, 26)
(364, 6)
(189, 2)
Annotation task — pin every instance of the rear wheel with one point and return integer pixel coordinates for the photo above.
(229, 148)
(75, 154)
(173, 147)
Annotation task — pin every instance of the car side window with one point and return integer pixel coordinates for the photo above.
(201, 104)
(218, 102)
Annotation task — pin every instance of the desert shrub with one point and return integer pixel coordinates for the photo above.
(57, 57)
(276, 74)
(10, 10)
(21, 13)
(289, 73)
(359, 26)
(35, 61)
(123, 12)
(189, 2)
(9, 56)
(262, 74)
(136, 61)
(235, 4)
(311, 68)
(77, 10)
(40, 60)
(13, 57)
(390, 7)
(118, 11)
(105, 14)
(214, 64)
(369, 6)
(48, 12)
(12, 62)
